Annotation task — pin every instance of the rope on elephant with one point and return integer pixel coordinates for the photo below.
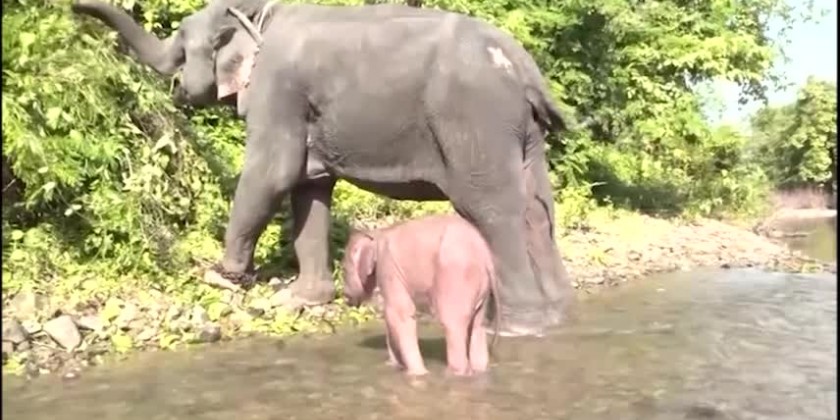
(264, 13)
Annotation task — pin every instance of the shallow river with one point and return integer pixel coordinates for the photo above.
(736, 344)
(820, 236)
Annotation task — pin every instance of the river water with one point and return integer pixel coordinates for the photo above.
(734, 344)
(820, 236)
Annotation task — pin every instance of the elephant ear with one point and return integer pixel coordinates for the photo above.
(363, 257)
(234, 61)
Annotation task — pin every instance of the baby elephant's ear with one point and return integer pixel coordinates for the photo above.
(364, 256)
(234, 61)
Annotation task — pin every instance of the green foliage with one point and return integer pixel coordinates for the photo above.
(105, 180)
(797, 142)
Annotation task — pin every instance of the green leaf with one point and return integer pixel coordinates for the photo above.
(216, 310)
(168, 341)
(53, 115)
(111, 310)
(122, 343)
(26, 39)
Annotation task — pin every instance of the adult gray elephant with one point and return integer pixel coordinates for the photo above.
(408, 103)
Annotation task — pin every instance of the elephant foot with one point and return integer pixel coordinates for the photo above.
(218, 276)
(416, 372)
(512, 330)
(303, 292)
(526, 323)
(458, 372)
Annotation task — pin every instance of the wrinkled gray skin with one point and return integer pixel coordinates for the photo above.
(438, 262)
(407, 103)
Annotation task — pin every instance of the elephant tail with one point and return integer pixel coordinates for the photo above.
(497, 310)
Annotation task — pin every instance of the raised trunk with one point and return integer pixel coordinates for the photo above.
(163, 56)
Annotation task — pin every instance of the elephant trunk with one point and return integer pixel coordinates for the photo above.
(165, 57)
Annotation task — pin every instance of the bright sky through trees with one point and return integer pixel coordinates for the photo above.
(812, 51)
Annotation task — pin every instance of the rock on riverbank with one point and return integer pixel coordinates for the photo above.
(632, 246)
(41, 336)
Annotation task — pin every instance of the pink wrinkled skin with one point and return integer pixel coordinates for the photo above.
(440, 262)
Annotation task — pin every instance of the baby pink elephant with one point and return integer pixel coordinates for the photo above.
(441, 262)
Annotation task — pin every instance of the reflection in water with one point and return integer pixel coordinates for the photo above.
(713, 344)
(821, 237)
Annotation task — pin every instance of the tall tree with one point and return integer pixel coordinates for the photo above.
(799, 140)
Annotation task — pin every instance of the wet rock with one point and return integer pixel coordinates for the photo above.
(26, 304)
(8, 349)
(146, 335)
(172, 313)
(64, 332)
(153, 313)
(258, 307)
(255, 312)
(71, 375)
(94, 350)
(237, 300)
(210, 333)
(199, 316)
(13, 332)
(215, 279)
(50, 361)
(218, 310)
(276, 284)
(180, 325)
(240, 318)
(32, 370)
(90, 322)
(317, 311)
(128, 313)
(136, 325)
(595, 280)
(227, 296)
(31, 327)
(286, 299)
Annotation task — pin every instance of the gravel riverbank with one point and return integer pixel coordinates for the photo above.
(40, 336)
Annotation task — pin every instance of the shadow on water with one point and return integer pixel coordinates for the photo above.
(736, 344)
(433, 348)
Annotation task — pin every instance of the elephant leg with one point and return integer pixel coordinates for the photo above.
(393, 359)
(275, 157)
(552, 282)
(311, 204)
(496, 206)
(455, 316)
(479, 354)
(402, 329)
(256, 200)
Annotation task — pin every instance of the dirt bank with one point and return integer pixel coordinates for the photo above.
(613, 250)
(40, 336)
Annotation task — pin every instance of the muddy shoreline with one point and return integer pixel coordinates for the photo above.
(39, 338)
